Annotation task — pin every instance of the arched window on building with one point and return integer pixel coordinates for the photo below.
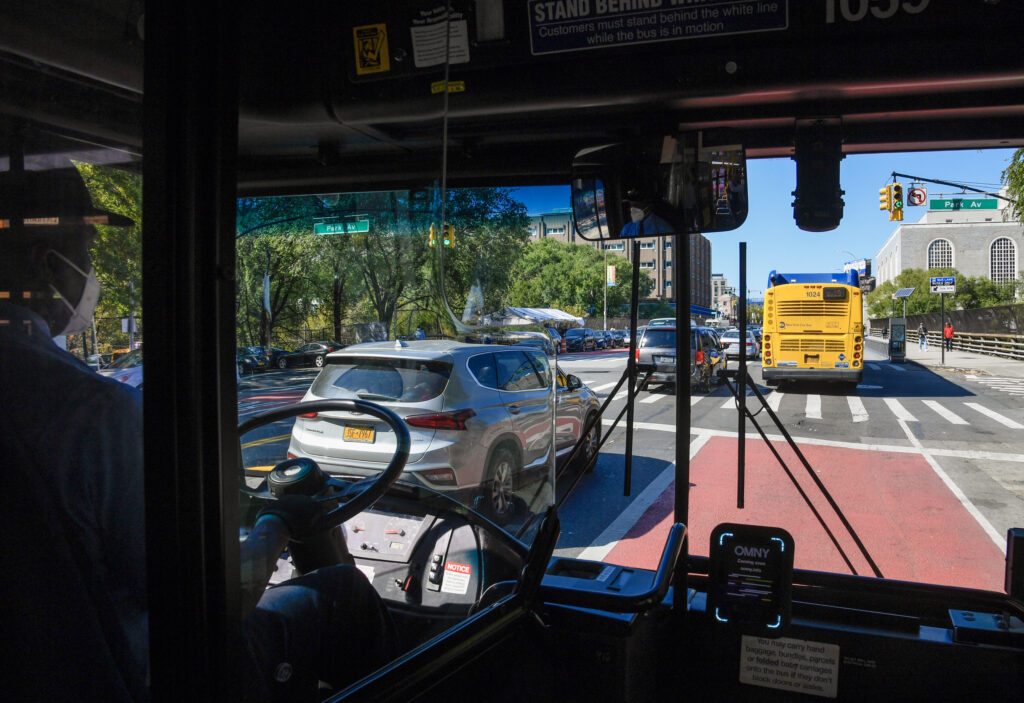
(1002, 260)
(940, 254)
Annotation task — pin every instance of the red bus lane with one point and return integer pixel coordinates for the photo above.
(910, 522)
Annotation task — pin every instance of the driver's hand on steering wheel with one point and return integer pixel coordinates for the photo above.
(303, 516)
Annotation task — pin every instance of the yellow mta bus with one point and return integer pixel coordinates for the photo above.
(813, 328)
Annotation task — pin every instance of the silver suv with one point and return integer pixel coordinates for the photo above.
(479, 416)
(657, 347)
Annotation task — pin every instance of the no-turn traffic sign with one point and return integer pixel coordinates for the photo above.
(917, 196)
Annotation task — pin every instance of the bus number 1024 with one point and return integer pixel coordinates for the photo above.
(856, 10)
(814, 294)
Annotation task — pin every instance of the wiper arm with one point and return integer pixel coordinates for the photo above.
(375, 396)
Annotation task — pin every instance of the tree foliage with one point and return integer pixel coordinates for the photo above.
(555, 274)
(1013, 178)
(971, 293)
(116, 252)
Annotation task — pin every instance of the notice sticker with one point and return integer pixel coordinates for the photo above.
(456, 578)
(788, 664)
(439, 36)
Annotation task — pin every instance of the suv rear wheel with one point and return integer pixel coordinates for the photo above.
(499, 496)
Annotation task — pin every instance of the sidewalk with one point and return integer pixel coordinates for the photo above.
(956, 361)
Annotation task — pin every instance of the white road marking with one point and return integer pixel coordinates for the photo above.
(1013, 425)
(694, 399)
(604, 386)
(895, 448)
(874, 367)
(655, 397)
(899, 411)
(860, 413)
(774, 400)
(946, 413)
(619, 527)
(1000, 540)
(813, 408)
(897, 367)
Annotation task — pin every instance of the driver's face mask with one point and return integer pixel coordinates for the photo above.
(81, 313)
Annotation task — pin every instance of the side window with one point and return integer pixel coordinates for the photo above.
(541, 367)
(483, 368)
(517, 373)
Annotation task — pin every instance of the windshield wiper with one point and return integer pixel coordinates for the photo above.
(376, 396)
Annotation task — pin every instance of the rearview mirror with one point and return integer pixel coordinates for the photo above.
(672, 185)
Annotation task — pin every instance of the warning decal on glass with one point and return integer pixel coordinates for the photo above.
(456, 578)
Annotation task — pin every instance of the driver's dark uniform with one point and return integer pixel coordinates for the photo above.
(73, 589)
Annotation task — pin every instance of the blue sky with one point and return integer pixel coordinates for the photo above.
(773, 239)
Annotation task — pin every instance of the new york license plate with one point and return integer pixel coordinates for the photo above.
(358, 433)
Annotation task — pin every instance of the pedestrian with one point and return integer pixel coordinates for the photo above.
(947, 334)
(922, 337)
(419, 334)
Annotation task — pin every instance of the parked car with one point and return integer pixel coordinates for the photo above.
(580, 339)
(312, 354)
(601, 339)
(98, 361)
(621, 340)
(478, 415)
(731, 341)
(126, 369)
(658, 348)
(557, 339)
(249, 362)
(251, 359)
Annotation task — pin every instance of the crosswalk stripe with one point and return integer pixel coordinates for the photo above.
(655, 397)
(694, 399)
(1013, 425)
(897, 367)
(874, 367)
(946, 413)
(602, 387)
(813, 409)
(899, 411)
(857, 409)
(730, 402)
(774, 400)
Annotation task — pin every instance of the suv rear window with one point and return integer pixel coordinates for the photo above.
(391, 380)
(661, 337)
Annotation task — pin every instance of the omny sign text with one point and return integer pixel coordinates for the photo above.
(943, 284)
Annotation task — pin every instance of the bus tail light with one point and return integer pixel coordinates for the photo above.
(856, 355)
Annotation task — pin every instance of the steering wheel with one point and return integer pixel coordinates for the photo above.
(305, 475)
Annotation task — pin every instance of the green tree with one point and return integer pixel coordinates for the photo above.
(116, 252)
(555, 274)
(880, 303)
(1013, 179)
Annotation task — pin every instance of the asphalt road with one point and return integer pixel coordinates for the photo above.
(925, 466)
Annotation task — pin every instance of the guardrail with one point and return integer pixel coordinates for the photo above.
(1008, 346)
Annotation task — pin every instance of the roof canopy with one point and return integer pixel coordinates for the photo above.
(527, 316)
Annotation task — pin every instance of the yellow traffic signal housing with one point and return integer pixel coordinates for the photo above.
(432, 242)
(886, 199)
(896, 214)
(449, 236)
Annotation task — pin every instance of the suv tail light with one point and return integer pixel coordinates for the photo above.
(441, 421)
(700, 357)
(636, 354)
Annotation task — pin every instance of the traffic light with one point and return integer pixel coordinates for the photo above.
(886, 199)
(896, 214)
(433, 241)
(449, 236)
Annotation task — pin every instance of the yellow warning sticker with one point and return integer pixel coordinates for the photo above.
(453, 87)
(371, 45)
